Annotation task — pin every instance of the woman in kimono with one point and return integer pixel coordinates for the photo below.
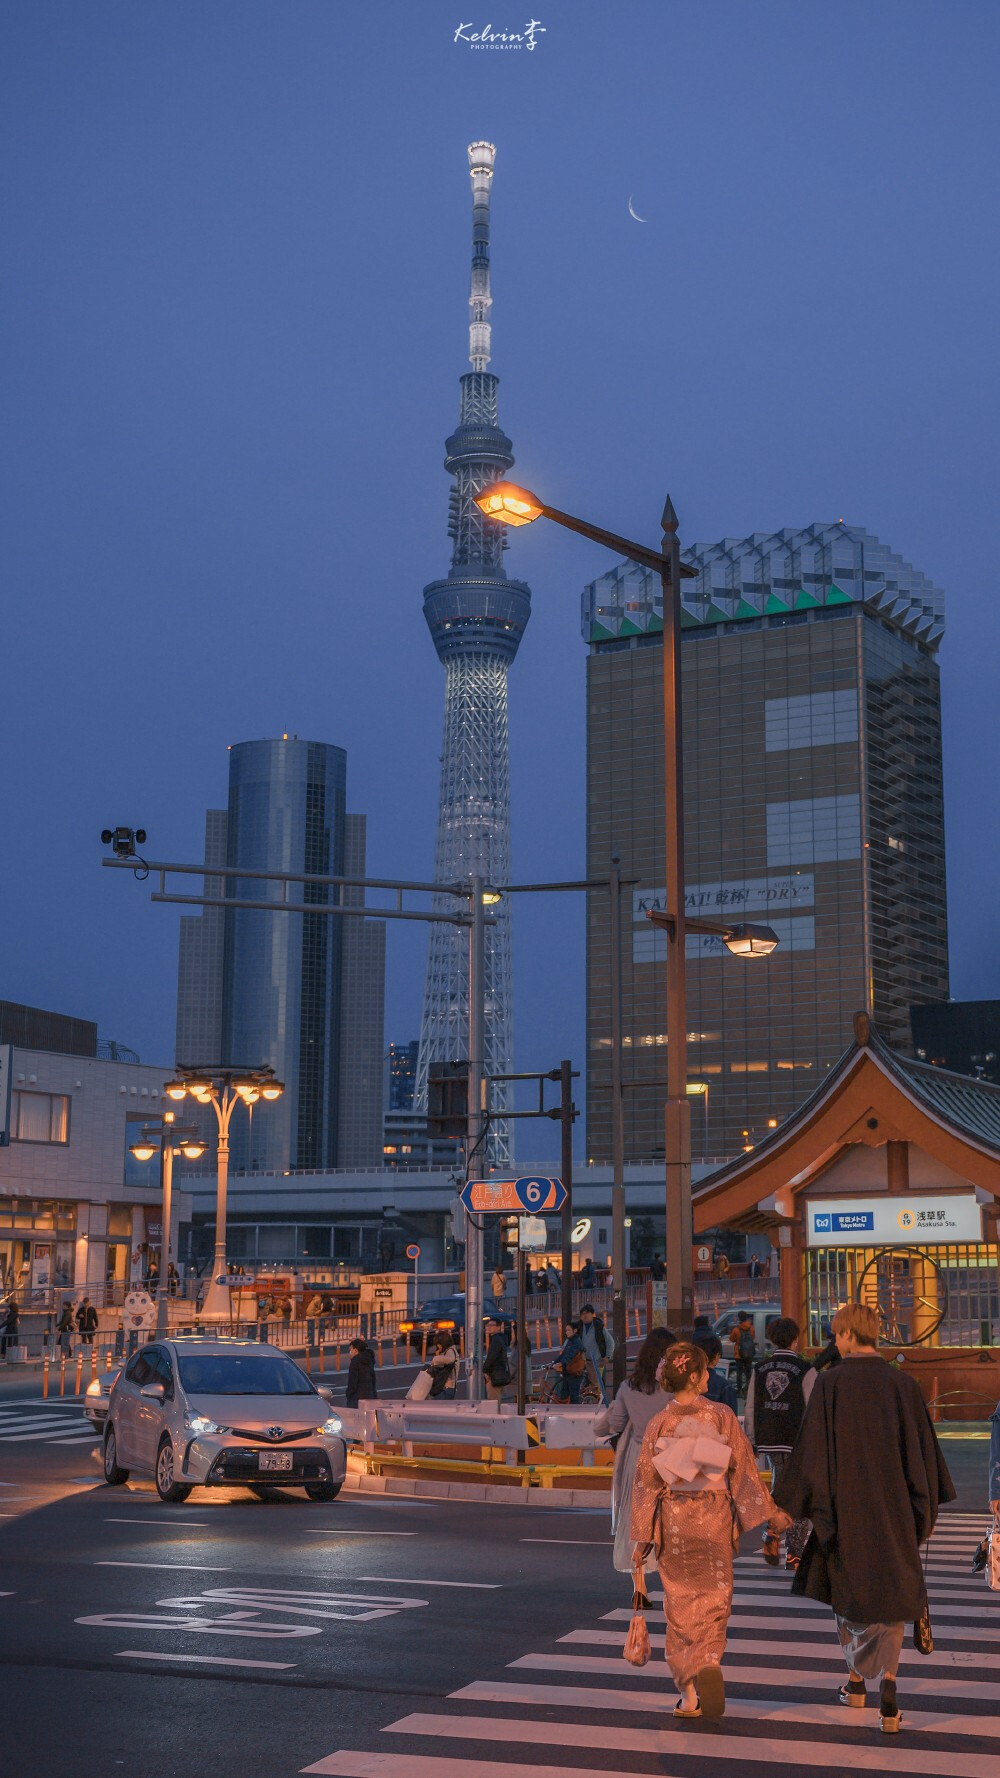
(696, 1488)
(637, 1402)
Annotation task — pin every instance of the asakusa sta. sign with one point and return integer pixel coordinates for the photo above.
(894, 1222)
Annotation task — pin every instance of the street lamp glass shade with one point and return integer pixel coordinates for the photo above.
(508, 503)
(751, 941)
(143, 1151)
(200, 1089)
(249, 1090)
(175, 1089)
(192, 1151)
(272, 1089)
(491, 898)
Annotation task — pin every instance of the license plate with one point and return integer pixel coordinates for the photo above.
(274, 1460)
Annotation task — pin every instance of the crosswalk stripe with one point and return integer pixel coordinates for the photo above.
(28, 1438)
(942, 1609)
(345, 1764)
(697, 1744)
(821, 1626)
(579, 1697)
(950, 1658)
(786, 1679)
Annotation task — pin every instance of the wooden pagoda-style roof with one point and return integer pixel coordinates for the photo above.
(874, 1096)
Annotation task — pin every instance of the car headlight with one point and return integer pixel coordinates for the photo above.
(197, 1423)
(93, 1388)
(332, 1426)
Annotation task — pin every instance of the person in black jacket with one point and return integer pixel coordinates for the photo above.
(868, 1471)
(780, 1387)
(361, 1381)
(496, 1364)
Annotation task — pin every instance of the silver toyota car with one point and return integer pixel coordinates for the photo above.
(221, 1413)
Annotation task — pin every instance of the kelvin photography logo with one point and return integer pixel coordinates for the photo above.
(488, 38)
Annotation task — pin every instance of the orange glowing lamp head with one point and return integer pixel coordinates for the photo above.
(509, 504)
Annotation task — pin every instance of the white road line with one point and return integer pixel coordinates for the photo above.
(578, 1697)
(348, 1531)
(822, 1626)
(689, 1745)
(346, 1764)
(955, 1657)
(171, 1524)
(139, 1654)
(188, 1567)
(399, 1580)
(580, 1543)
(783, 1681)
(941, 1610)
(27, 1438)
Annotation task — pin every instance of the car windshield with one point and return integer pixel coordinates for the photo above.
(241, 1373)
(443, 1306)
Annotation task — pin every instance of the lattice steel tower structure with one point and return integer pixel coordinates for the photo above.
(476, 618)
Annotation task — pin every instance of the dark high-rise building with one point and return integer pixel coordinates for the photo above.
(297, 991)
(813, 801)
(962, 1035)
(401, 1074)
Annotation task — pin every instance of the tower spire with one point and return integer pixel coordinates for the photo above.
(481, 158)
(476, 617)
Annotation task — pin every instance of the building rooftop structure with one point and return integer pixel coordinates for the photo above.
(781, 574)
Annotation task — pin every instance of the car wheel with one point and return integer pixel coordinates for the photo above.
(166, 1487)
(323, 1490)
(112, 1474)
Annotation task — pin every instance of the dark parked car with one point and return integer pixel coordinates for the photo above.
(447, 1312)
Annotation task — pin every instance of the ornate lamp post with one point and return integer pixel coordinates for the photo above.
(170, 1139)
(223, 1089)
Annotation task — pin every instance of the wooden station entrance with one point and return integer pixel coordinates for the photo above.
(884, 1187)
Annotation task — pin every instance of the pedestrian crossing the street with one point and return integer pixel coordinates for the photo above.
(44, 1422)
(578, 1707)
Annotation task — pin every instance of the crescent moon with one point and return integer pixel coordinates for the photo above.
(634, 213)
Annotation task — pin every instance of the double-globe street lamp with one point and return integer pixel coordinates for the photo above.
(223, 1089)
(513, 505)
(168, 1138)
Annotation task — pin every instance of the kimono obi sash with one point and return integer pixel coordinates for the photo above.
(694, 1462)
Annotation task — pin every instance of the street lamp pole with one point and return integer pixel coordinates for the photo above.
(222, 1088)
(619, 1324)
(512, 505)
(166, 1213)
(473, 1225)
(677, 1135)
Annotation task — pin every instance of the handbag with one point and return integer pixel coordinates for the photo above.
(993, 1555)
(923, 1635)
(636, 1650)
(420, 1388)
(576, 1365)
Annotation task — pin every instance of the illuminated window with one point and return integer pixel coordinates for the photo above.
(749, 1067)
(39, 1117)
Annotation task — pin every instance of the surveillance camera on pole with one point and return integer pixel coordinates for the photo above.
(123, 840)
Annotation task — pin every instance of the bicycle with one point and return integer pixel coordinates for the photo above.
(544, 1390)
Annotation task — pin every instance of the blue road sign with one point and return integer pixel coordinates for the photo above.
(498, 1196)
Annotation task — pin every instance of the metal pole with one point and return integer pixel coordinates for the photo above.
(566, 1121)
(522, 1334)
(217, 1304)
(680, 1286)
(166, 1199)
(619, 1326)
(474, 1226)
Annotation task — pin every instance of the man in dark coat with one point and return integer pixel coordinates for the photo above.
(868, 1471)
(361, 1384)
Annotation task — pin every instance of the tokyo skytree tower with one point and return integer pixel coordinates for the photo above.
(476, 618)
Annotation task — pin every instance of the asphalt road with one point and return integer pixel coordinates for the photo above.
(381, 1639)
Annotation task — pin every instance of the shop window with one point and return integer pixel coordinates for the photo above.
(120, 1220)
(39, 1117)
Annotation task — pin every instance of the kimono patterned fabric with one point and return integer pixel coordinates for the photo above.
(694, 1533)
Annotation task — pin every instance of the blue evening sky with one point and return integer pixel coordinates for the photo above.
(235, 273)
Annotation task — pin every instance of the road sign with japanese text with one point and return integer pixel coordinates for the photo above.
(496, 1196)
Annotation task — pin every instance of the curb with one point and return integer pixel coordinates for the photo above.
(486, 1493)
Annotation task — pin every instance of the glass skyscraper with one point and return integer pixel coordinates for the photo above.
(296, 991)
(812, 801)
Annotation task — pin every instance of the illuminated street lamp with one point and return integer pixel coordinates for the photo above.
(509, 504)
(223, 1089)
(168, 1139)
